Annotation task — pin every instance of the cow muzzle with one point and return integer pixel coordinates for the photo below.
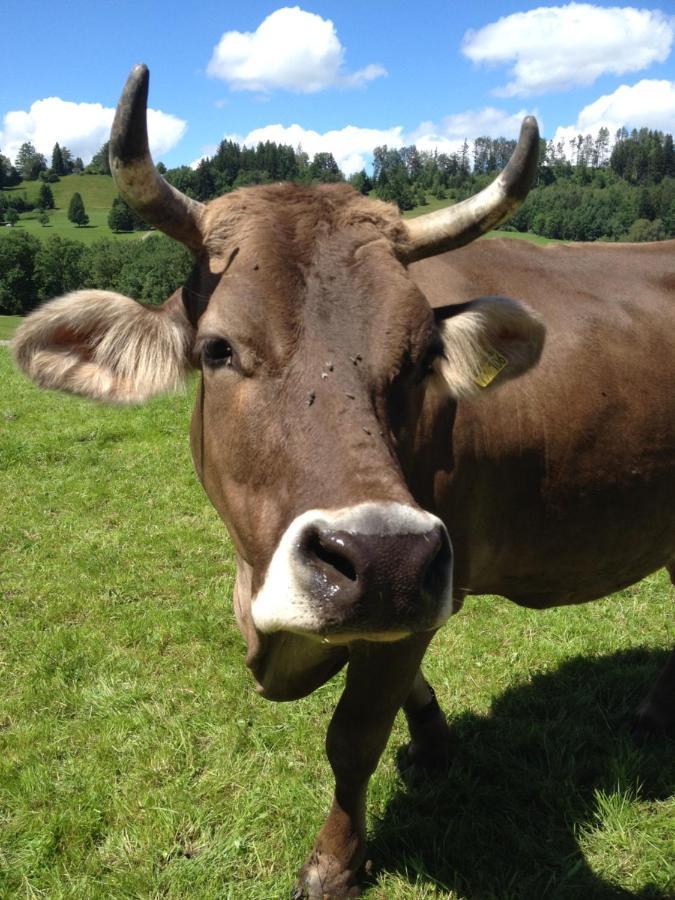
(373, 571)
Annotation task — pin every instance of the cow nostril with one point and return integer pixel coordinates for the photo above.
(330, 552)
(438, 567)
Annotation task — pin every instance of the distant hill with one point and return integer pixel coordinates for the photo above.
(98, 193)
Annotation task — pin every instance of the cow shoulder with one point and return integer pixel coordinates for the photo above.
(106, 346)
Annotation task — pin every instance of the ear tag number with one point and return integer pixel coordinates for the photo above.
(491, 365)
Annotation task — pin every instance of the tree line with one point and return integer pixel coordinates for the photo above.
(590, 189)
(586, 191)
(33, 270)
(29, 165)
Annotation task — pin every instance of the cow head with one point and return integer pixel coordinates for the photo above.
(318, 356)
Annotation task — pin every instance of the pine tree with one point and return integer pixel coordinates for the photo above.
(57, 161)
(67, 158)
(76, 211)
(45, 197)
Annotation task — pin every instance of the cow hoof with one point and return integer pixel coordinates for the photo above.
(647, 725)
(323, 878)
(417, 762)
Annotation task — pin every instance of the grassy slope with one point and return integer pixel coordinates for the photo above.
(137, 761)
(98, 193)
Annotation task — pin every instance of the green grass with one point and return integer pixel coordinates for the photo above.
(136, 761)
(98, 193)
(8, 325)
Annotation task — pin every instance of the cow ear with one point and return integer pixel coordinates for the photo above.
(486, 342)
(105, 346)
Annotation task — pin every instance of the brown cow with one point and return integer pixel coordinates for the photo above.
(345, 429)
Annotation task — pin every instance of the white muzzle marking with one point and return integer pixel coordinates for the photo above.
(285, 602)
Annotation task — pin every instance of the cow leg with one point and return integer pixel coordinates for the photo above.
(379, 677)
(431, 739)
(656, 714)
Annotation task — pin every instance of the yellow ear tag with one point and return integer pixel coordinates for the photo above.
(491, 365)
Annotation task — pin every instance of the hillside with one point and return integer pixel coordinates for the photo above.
(98, 193)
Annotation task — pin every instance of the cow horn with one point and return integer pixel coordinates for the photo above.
(137, 179)
(454, 226)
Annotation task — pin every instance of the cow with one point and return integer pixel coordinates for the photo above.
(391, 417)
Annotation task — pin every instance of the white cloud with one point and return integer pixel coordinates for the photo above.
(81, 127)
(558, 47)
(449, 134)
(351, 146)
(291, 49)
(648, 103)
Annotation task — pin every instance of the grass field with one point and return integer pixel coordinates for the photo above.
(8, 325)
(136, 760)
(98, 193)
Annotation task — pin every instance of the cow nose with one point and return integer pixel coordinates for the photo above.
(383, 579)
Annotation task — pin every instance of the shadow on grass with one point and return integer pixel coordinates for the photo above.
(505, 820)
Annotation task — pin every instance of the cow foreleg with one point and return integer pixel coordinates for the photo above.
(430, 745)
(379, 678)
(656, 714)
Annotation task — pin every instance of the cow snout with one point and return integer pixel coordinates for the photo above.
(376, 570)
(354, 568)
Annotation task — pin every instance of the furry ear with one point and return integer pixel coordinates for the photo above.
(486, 342)
(105, 346)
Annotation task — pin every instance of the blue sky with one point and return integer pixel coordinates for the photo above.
(348, 75)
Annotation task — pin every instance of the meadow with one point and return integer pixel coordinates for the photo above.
(98, 193)
(136, 761)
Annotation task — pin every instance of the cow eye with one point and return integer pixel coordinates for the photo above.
(217, 352)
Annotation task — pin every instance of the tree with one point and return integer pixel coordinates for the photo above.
(120, 217)
(8, 174)
(100, 164)
(57, 166)
(43, 217)
(17, 264)
(360, 182)
(59, 267)
(644, 230)
(67, 158)
(324, 168)
(29, 162)
(45, 197)
(12, 216)
(76, 211)
(78, 166)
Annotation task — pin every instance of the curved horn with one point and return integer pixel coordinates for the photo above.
(463, 222)
(137, 179)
